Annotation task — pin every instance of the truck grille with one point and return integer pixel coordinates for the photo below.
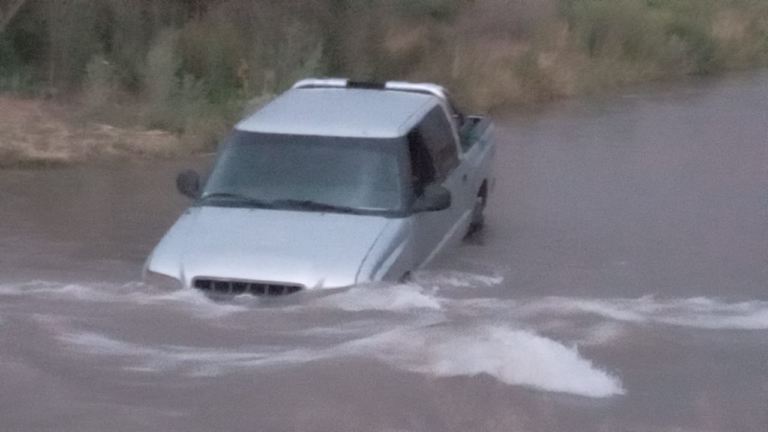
(220, 286)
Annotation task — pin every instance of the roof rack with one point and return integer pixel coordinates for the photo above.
(426, 88)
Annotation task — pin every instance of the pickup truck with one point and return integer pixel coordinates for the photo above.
(332, 184)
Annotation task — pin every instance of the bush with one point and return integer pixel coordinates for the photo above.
(438, 10)
(619, 28)
(701, 45)
(162, 65)
(100, 84)
(191, 66)
(211, 51)
(534, 79)
(183, 105)
(74, 40)
(9, 60)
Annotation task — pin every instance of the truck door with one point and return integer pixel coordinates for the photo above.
(435, 159)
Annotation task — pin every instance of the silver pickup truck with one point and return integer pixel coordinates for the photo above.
(334, 183)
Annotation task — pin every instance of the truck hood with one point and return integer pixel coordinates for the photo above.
(316, 250)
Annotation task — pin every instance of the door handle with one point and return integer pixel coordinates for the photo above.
(464, 178)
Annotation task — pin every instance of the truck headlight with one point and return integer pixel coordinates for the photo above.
(161, 281)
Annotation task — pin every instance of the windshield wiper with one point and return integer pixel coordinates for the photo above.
(245, 199)
(314, 206)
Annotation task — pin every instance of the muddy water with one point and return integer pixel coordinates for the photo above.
(621, 285)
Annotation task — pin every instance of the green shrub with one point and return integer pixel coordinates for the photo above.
(620, 28)
(184, 105)
(162, 65)
(211, 51)
(9, 60)
(100, 84)
(438, 10)
(15, 77)
(191, 66)
(700, 44)
(538, 84)
(74, 40)
(298, 56)
(20, 82)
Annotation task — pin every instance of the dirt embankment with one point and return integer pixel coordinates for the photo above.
(43, 133)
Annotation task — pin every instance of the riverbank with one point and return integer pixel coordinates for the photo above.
(40, 133)
(177, 86)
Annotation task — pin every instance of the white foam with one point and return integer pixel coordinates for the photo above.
(194, 361)
(559, 306)
(385, 298)
(457, 279)
(513, 356)
(48, 289)
(190, 298)
(703, 313)
(602, 334)
(135, 293)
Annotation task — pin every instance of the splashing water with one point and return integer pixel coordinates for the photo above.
(399, 298)
(702, 313)
(429, 334)
(512, 356)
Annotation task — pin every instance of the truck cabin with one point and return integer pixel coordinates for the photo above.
(364, 150)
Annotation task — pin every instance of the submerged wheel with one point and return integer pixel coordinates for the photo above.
(478, 213)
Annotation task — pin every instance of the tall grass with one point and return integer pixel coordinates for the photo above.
(193, 66)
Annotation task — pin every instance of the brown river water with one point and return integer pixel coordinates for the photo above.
(621, 285)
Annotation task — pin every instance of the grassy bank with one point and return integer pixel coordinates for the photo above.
(192, 67)
(35, 133)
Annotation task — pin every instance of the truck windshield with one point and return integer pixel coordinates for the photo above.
(312, 173)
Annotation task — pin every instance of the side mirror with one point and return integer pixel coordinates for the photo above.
(188, 183)
(435, 198)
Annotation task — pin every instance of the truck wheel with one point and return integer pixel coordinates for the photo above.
(478, 213)
(406, 278)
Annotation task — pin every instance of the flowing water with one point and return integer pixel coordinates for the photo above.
(621, 285)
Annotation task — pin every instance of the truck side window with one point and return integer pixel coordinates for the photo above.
(422, 168)
(437, 133)
(458, 115)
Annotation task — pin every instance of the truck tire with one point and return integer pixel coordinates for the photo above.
(478, 213)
